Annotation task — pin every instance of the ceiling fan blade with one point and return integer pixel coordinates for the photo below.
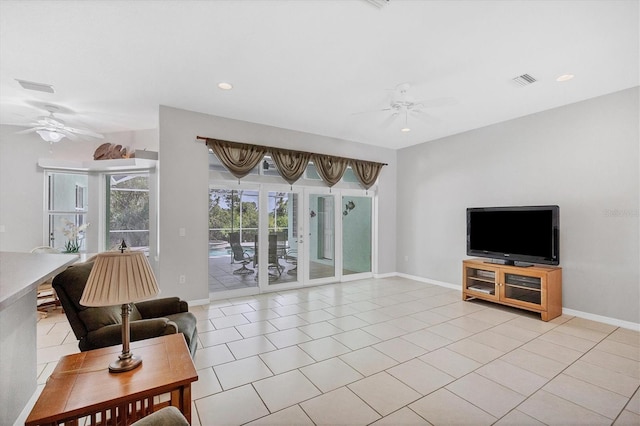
(83, 132)
(69, 135)
(24, 132)
(389, 120)
(371, 111)
(423, 116)
(437, 102)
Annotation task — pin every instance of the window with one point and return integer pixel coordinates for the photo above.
(66, 201)
(349, 176)
(127, 206)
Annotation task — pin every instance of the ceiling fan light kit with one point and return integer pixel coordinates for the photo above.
(50, 135)
(52, 129)
(402, 105)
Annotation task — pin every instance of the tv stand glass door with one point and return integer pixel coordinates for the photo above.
(522, 289)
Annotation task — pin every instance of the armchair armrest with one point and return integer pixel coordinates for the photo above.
(111, 335)
(161, 307)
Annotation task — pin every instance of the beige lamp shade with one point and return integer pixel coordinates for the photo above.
(119, 278)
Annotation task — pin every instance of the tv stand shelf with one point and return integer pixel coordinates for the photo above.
(534, 288)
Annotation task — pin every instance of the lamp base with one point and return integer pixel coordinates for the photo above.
(125, 364)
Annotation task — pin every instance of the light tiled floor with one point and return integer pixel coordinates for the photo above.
(394, 351)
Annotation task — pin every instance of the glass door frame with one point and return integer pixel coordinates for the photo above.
(303, 223)
(263, 239)
(338, 194)
(304, 255)
(238, 186)
(308, 210)
(374, 233)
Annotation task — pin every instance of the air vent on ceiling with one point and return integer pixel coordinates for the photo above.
(524, 80)
(378, 3)
(39, 87)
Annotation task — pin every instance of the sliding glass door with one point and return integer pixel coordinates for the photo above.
(271, 237)
(357, 217)
(233, 230)
(281, 242)
(321, 230)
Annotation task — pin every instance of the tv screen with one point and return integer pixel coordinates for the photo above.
(514, 234)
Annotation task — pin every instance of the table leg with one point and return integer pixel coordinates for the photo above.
(181, 398)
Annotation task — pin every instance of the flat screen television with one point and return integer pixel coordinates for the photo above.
(528, 234)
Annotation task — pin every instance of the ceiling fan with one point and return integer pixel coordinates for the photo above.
(52, 129)
(402, 105)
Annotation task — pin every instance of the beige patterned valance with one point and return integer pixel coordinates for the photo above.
(241, 158)
(291, 164)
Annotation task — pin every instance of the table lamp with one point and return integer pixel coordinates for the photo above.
(120, 278)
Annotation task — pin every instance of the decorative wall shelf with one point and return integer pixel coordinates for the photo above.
(98, 165)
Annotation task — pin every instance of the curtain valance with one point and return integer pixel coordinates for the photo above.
(291, 164)
(367, 172)
(241, 158)
(330, 168)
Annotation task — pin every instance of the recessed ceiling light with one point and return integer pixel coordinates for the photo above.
(565, 77)
(225, 86)
(405, 129)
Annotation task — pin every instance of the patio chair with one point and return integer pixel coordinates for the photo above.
(239, 255)
(291, 257)
(272, 257)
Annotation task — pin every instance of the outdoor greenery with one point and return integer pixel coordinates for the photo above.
(128, 210)
(231, 210)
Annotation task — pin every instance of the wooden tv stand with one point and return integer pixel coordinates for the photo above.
(534, 288)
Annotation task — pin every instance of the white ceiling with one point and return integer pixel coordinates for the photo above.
(321, 66)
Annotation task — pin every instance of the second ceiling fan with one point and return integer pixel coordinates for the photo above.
(53, 129)
(404, 106)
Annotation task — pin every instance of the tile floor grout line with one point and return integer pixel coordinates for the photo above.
(363, 293)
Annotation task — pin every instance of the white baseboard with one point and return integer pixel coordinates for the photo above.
(430, 281)
(586, 315)
(232, 294)
(599, 318)
(387, 275)
(198, 302)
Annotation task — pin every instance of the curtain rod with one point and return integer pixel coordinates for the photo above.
(282, 149)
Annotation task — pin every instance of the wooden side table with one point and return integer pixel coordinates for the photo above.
(81, 385)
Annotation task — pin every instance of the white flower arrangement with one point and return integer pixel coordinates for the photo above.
(74, 234)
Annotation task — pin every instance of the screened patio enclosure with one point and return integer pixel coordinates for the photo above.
(237, 211)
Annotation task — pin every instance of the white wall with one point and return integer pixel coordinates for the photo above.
(582, 157)
(184, 181)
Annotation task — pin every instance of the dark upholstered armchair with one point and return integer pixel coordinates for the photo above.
(100, 327)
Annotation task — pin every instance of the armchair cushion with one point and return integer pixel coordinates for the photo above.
(139, 330)
(161, 307)
(186, 323)
(96, 318)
